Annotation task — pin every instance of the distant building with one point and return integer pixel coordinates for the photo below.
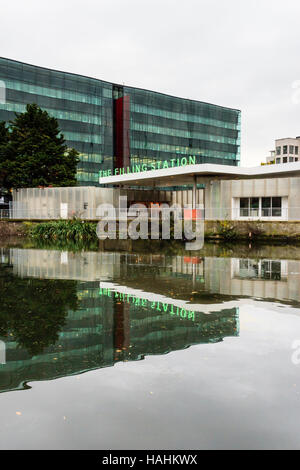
(286, 150)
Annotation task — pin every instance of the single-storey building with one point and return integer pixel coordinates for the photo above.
(270, 192)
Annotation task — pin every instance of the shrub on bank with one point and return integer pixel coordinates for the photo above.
(227, 230)
(75, 230)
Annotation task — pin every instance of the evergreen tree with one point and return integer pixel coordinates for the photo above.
(33, 152)
(4, 139)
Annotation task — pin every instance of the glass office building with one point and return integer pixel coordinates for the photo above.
(114, 126)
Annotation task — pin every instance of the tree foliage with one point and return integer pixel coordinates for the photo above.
(33, 152)
(34, 311)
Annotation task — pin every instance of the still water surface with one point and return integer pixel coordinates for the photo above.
(118, 350)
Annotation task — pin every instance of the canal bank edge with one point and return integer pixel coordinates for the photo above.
(214, 229)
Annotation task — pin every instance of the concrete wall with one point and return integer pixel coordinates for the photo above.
(261, 230)
(222, 197)
(82, 202)
(60, 203)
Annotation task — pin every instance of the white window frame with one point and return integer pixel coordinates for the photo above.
(236, 209)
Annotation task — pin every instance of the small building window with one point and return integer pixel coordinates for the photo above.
(284, 160)
(291, 149)
(244, 207)
(249, 207)
(296, 150)
(260, 269)
(278, 150)
(278, 160)
(271, 206)
(291, 159)
(261, 206)
(271, 270)
(284, 149)
(254, 206)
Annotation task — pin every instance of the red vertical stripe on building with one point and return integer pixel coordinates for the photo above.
(122, 129)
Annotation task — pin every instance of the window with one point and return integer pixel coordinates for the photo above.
(291, 149)
(271, 270)
(254, 206)
(284, 160)
(291, 159)
(296, 150)
(271, 206)
(249, 207)
(278, 150)
(260, 207)
(278, 160)
(249, 269)
(259, 269)
(285, 147)
(244, 207)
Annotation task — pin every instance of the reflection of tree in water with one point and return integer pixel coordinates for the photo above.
(33, 311)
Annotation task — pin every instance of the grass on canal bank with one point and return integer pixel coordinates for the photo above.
(61, 230)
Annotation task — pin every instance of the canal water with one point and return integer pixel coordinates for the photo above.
(150, 350)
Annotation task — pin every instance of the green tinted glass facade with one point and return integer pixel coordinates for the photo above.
(114, 126)
(164, 127)
(83, 107)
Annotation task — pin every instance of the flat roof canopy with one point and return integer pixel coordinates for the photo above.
(182, 175)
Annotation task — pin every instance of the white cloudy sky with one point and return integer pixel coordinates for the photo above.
(238, 53)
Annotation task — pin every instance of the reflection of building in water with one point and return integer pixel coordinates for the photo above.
(143, 306)
(260, 269)
(91, 266)
(110, 328)
(266, 279)
(53, 264)
(277, 279)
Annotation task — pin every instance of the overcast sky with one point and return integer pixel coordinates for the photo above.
(236, 53)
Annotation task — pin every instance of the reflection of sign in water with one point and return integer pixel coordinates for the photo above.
(162, 307)
(2, 353)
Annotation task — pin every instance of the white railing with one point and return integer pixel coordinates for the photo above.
(4, 213)
(211, 213)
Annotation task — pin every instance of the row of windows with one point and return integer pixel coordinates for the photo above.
(14, 96)
(178, 149)
(67, 115)
(107, 92)
(94, 158)
(260, 207)
(140, 118)
(171, 103)
(85, 176)
(180, 133)
(291, 149)
(260, 269)
(74, 136)
(50, 78)
(53, 92)
(286, 159)
(175, 142)
(182, 116)
(81, 137)
(86, 147)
